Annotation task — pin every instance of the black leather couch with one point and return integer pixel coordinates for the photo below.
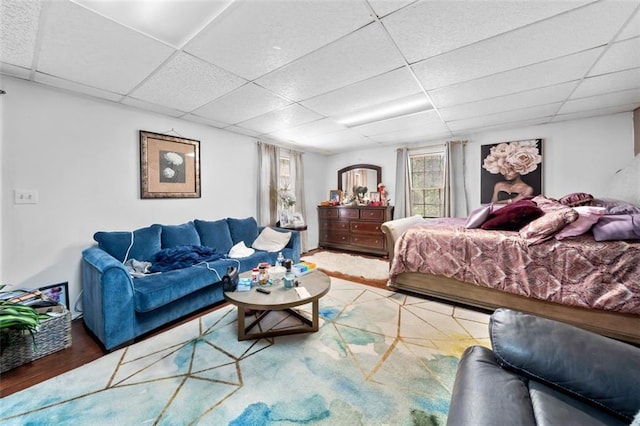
(543, 372)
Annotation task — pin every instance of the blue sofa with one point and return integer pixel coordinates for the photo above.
(118, 308)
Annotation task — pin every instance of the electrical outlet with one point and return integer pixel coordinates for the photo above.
(25, 196)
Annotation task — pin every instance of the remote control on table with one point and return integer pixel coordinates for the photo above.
(262, 290)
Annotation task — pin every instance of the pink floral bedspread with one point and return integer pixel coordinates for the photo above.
(577, 271)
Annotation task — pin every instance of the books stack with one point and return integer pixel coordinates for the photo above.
(33, 298)
(303, 268)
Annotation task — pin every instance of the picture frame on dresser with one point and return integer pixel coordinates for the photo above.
(169, 166)
(335, 196)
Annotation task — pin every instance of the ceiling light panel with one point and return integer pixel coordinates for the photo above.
(449, 23)
(186, 83)
(18, 31)
(361, 55)
(620, 56)
(504, 117)
(290, 116)
(335, 140)
(242, 104)
(173, 22)
(568, 68)
(252, 38)
(387, 87)
(624, 97)
(606, 83)
(423, 120)
(393, 109)
(545, 95)
(580, 29)
(82, 46)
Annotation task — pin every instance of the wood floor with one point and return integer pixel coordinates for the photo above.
(86, 348)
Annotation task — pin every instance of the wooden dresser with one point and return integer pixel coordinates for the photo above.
(354, 228)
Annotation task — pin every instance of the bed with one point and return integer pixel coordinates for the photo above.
(594, 285)
(591, 284)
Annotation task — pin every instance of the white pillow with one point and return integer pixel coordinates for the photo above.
(270, 240)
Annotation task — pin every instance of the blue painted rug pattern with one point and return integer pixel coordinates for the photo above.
(379, 358)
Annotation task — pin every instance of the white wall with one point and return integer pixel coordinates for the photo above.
(82, 156)
(578, 156)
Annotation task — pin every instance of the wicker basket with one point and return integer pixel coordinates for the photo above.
(54, 335)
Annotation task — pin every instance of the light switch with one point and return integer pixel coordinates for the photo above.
(25, 196)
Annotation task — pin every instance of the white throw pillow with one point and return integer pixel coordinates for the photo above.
(270, 240)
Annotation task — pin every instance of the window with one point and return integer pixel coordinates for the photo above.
(284, 180)
(426, 181)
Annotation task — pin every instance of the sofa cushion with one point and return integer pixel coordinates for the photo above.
(154, 291)
(271, 240)
(243, 230)
(140, 244)
(180, 235)
(214, 234)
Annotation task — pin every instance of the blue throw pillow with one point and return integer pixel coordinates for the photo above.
(144, 244)
(243, 230)
(215, 234)
(180, 235)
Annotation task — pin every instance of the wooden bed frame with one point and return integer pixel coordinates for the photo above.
(617, 325)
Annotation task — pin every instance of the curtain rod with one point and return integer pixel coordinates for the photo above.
(462, 142)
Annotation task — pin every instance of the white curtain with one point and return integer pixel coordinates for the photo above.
(402, 192)
(297, 171)
(268, 173)
(455, 181)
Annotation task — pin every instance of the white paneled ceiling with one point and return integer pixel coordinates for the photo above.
(291, 71)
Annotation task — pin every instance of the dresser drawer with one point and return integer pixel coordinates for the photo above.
(334, 237)
(328, 213)
(365, 227)
(334, 225)
(349, 213)
(368, 241)
(366, 214)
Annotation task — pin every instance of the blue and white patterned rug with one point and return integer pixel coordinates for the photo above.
(379, 358)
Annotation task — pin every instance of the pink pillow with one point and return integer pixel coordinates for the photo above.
(587, 216)
(478, 216)
(545, 227)
(576, 199)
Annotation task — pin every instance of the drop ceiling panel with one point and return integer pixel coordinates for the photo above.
(242, 104)
(203, 120)
(385, 7)
(580, 29)
(429, 28)
(290, 116)
(242, 131)
(252, 38)
(18, 31)
(75, 87)
(620, 56)
(632, 29)
(520, 100)
(374, 91)
(361, 55)
(314, 128)
(186, 83)
(624, 97)
(596, 112)
(568, 68)
(80, 46)
(347, 137)
(180, 21)
(411, 135)
(504, 117)
(606, 83)
(148, 106)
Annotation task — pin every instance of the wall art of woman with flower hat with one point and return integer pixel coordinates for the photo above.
(506, 165)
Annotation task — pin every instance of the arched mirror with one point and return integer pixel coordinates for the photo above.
(366, 175)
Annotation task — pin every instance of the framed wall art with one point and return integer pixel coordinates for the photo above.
(510, 171)
(169, 166)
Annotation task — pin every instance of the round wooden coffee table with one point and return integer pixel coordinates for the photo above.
(317, 283)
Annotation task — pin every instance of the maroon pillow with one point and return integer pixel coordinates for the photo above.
(513, 216)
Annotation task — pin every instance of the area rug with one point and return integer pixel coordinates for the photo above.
(379, 358)
(350, 266)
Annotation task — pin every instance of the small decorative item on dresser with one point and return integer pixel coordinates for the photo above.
(335, 197)
(374, 199)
